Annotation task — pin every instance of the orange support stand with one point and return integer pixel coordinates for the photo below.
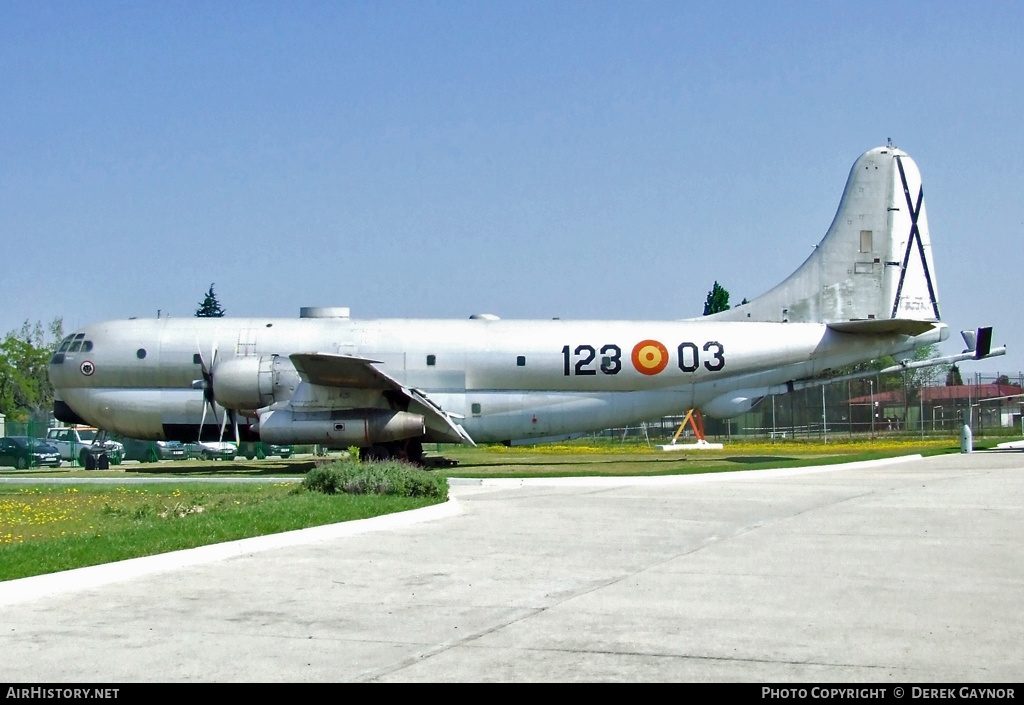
(694, 418)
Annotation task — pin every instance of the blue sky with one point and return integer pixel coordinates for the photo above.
(581, 160)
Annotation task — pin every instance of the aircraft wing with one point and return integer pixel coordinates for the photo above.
(350, 372)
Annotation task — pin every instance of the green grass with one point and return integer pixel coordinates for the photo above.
(44, 529)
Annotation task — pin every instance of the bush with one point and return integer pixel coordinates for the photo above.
(389, 477)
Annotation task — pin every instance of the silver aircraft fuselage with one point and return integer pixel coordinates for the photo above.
(504, 380)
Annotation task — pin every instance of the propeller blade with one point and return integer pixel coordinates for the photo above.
(201, 424)
(208, 396)
(223, 424)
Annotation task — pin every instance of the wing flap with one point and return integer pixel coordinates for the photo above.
(343, 371)
(350, 372)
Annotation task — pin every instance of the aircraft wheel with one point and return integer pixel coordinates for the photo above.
(414, 451)
(374, 453)
(83, 459)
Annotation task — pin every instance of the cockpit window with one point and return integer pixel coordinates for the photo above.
(75, 343)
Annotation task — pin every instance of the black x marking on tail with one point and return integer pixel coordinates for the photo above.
(915, 236)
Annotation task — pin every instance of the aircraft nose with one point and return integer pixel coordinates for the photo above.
(71, 356)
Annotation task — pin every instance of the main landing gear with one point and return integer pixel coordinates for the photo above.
(410, 450)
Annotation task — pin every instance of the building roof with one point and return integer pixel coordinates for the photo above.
(934, 395)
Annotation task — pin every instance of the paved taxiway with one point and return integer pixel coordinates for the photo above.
(899, 572)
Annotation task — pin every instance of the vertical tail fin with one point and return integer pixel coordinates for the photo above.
(875, 261)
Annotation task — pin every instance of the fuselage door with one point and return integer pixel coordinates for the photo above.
(246, 342)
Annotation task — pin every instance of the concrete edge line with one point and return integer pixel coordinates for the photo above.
(27, 589)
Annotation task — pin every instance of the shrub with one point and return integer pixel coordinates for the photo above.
(389, 477)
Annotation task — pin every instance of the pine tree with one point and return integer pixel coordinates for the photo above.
(210, 307)
(718, 300)
(953, 378)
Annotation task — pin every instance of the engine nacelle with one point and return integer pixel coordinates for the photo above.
(340, 429)
(733, 403)
(248, 383)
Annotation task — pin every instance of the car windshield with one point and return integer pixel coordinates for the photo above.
(36, 444)
(87, 435)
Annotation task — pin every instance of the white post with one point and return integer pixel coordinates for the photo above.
(824, 420)
(871, 383)
(773, 420)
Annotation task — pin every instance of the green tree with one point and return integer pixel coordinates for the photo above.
(25, 389)
(718, 300)
(210, 307)
(953, 378)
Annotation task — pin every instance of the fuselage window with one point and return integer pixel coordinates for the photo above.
(475, 408)
(521, 361)
(431, 360)
(197, 359)
(141, 353)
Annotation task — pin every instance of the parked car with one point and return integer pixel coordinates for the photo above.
(213, 450)
(24, 452)
(264, 450)
(152, 451)
(78, 442)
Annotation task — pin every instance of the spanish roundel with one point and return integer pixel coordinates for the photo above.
(649, 357)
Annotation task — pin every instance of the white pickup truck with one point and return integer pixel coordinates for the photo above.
(75, 442)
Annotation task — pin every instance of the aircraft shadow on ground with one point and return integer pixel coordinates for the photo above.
(572, 461)
(749, 459)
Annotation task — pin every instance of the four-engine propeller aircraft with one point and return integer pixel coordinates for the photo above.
(867, 291)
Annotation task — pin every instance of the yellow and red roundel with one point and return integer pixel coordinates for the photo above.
(649, 357)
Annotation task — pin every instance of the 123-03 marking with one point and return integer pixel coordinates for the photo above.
(648, 357)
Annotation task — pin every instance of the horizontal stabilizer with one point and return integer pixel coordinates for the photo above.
(970, 339)
(883, 326)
